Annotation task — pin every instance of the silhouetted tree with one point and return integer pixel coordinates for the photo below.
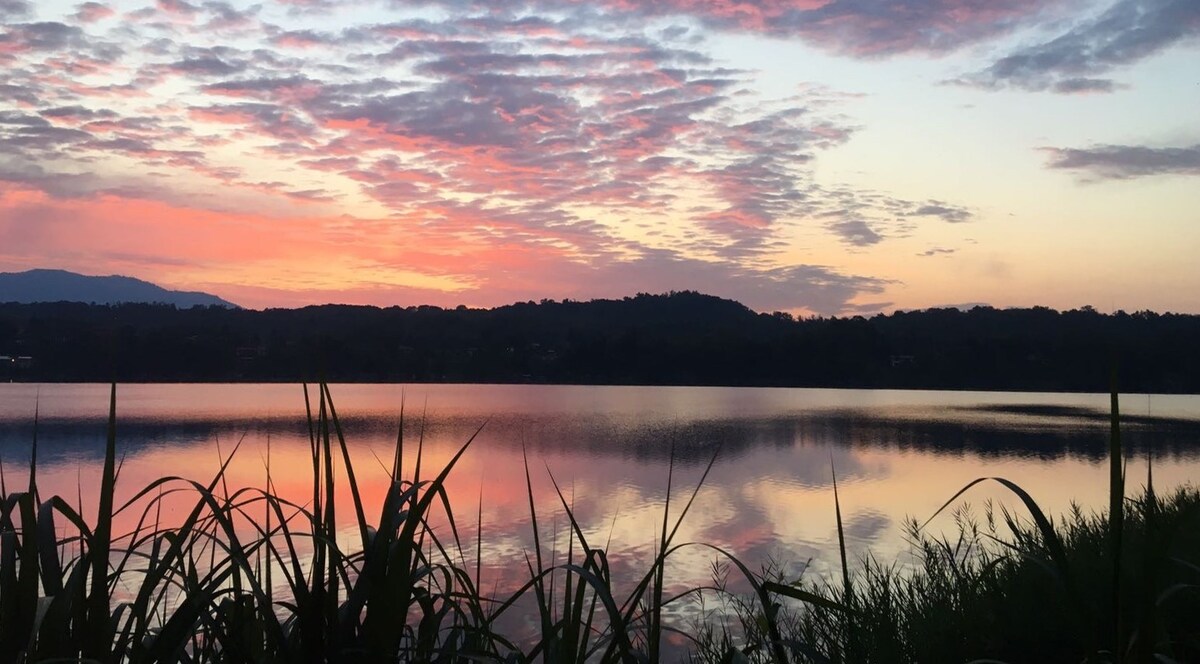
(677, 338)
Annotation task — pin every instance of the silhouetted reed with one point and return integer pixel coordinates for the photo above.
(249, 576)
(205, 589)
(1016, 586)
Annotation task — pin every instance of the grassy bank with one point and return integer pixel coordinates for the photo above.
(1000, 591)
(244, 575)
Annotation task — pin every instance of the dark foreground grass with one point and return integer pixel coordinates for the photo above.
(994, 596)
(247, 576)
(1121, 586)
(205, 588)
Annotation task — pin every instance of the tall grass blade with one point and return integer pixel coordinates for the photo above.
(847, 588)
(398, 454)
(33, 452)
(654, 614)
(1045, 528)
(479, 540)
(619, 622)
(841, 533)
(1116, 509)
(762, 592)
(355, 495)
(537, 574)
(99, 643)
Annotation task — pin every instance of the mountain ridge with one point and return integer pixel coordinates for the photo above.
(53, 285)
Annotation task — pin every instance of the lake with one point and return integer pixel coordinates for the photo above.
(898, 455)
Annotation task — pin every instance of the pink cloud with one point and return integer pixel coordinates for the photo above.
(117, 224)
(91, 12)
(523, 155)
(176, 7)
(299, 39)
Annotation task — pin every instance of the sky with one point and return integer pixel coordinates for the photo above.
(828, 157)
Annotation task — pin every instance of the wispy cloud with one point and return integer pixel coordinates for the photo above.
(946, 212)
(90, 12)
(1123, 162)
(595, 144)
(849, 27)
(1073, 61)
(14, 9)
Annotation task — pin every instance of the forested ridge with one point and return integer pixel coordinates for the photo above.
(681, 338)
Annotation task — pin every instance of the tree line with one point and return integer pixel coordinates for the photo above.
(679, 338)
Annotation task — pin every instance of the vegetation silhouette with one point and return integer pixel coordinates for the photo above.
(247, 576)
(681, 338)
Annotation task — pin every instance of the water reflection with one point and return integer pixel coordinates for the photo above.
(897, 454)
(692, 441)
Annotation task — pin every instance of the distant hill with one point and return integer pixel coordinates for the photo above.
(62, 286)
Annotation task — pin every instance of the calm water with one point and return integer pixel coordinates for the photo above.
(898, 454)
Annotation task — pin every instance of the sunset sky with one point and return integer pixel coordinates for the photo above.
(814, 156)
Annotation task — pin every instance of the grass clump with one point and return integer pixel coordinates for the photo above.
(1118, 586)
(994, 592)
(248, 576)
